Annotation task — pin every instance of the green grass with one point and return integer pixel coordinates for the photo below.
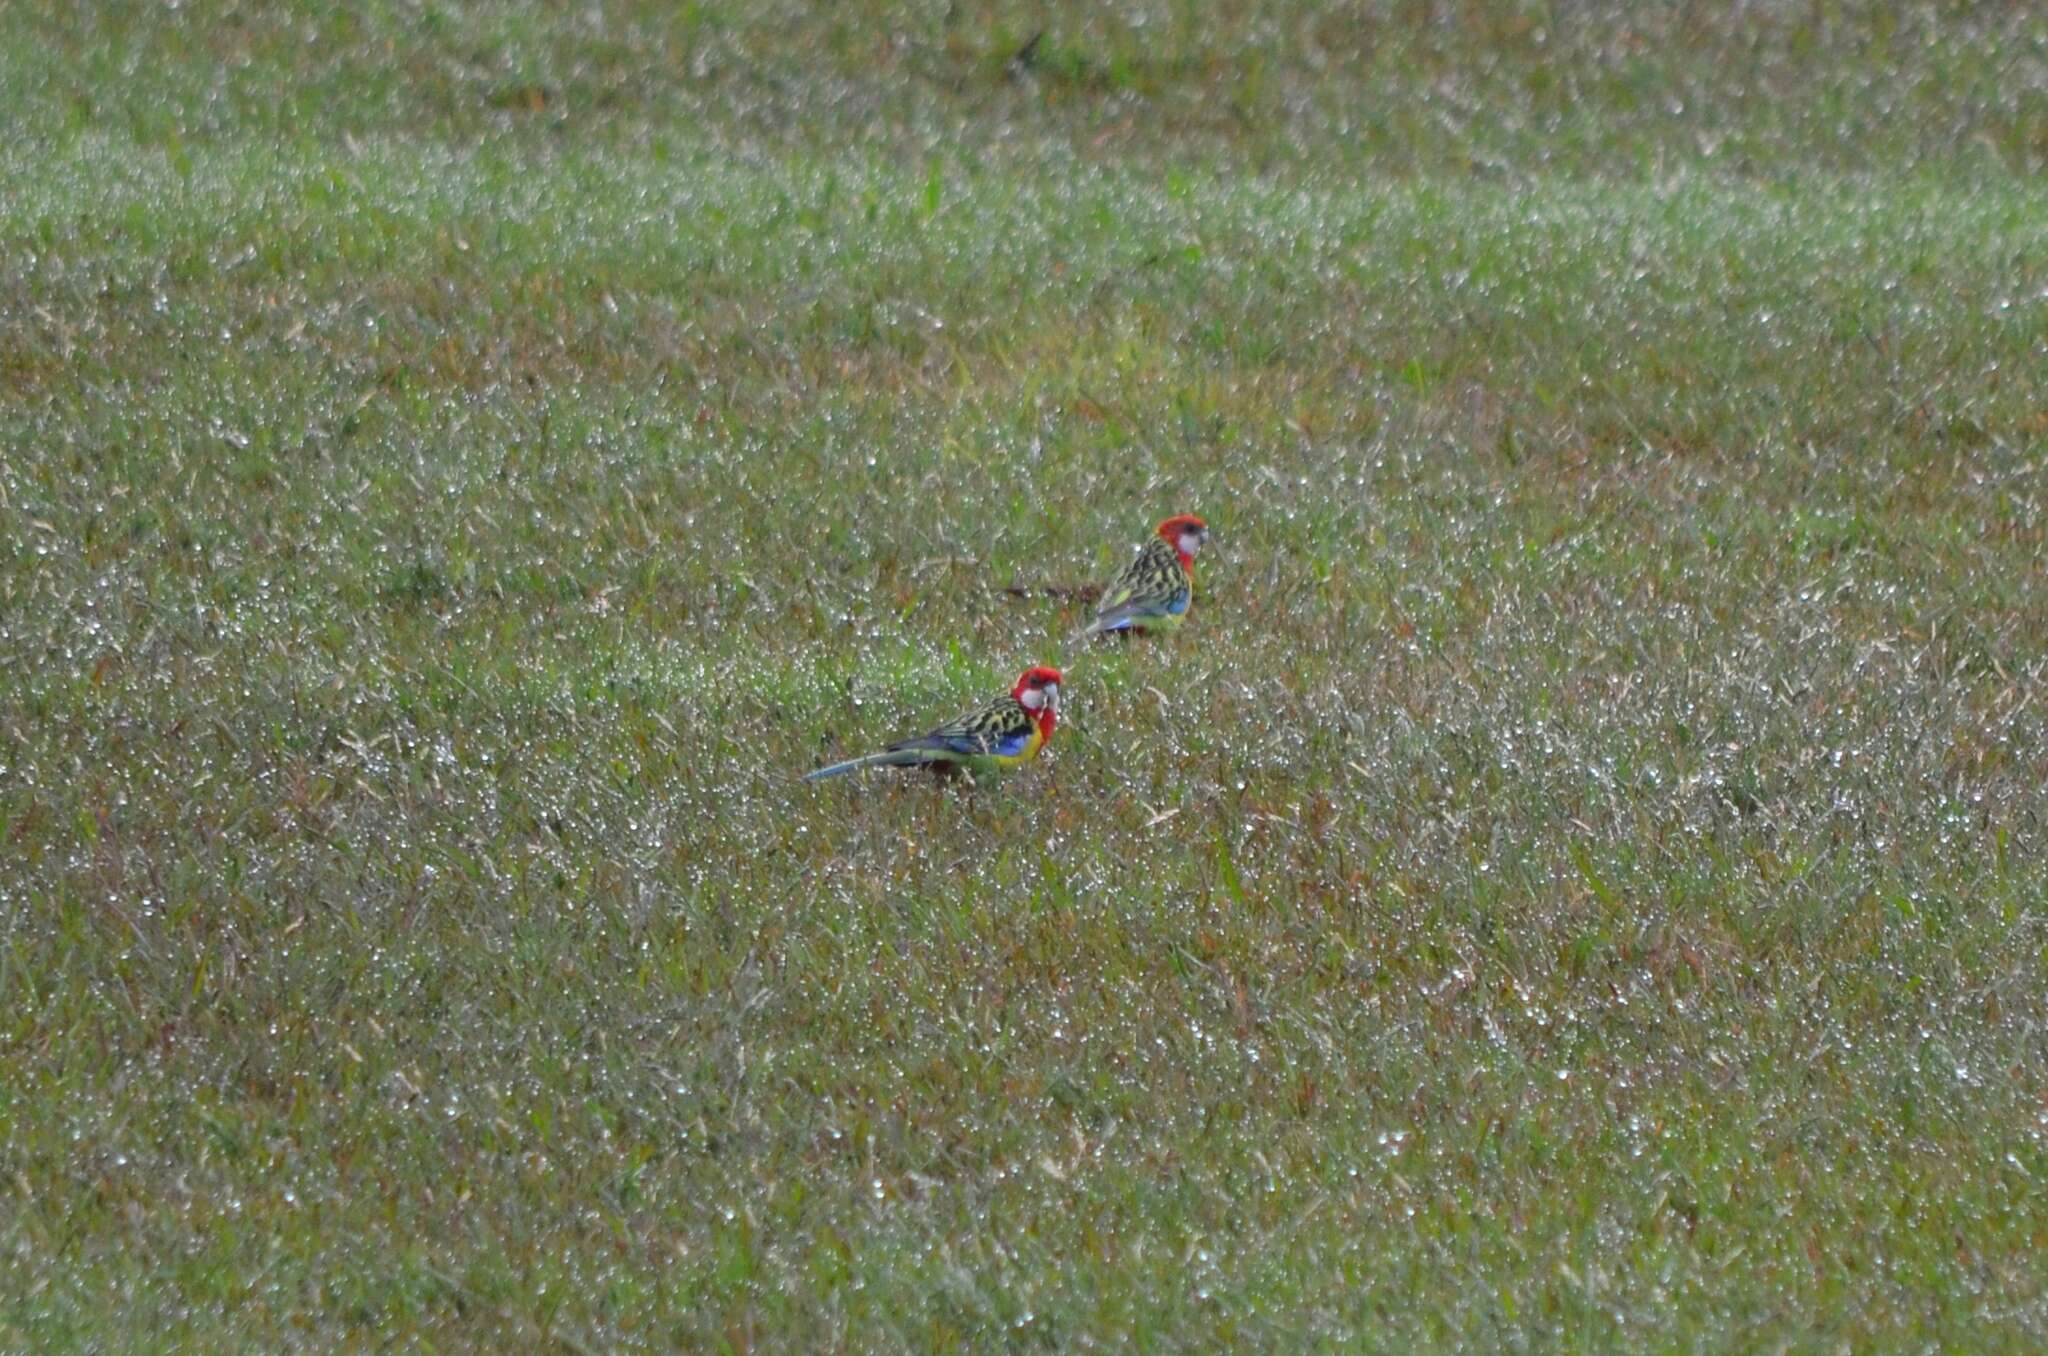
(1577, 882)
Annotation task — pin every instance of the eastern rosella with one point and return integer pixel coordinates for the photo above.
(1155, 589)
(1008, 731)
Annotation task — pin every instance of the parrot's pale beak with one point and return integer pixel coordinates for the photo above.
(1052, 698)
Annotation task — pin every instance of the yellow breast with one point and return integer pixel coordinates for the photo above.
(1028, 752)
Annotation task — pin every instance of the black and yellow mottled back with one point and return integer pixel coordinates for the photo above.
(1153, 591)
(1002, 730)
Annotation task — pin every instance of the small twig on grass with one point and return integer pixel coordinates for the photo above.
(1084, 593)
(1024, 58)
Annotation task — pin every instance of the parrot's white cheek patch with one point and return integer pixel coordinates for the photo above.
(1031, 698)
(1190, 543)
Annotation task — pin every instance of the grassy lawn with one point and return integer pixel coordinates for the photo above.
(1579, 880)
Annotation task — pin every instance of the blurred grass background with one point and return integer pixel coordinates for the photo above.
(1576, 883)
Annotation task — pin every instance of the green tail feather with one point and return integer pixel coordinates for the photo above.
(891, 758)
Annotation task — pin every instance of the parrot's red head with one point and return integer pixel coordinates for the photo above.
(1038, 691)
(1186, 534)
